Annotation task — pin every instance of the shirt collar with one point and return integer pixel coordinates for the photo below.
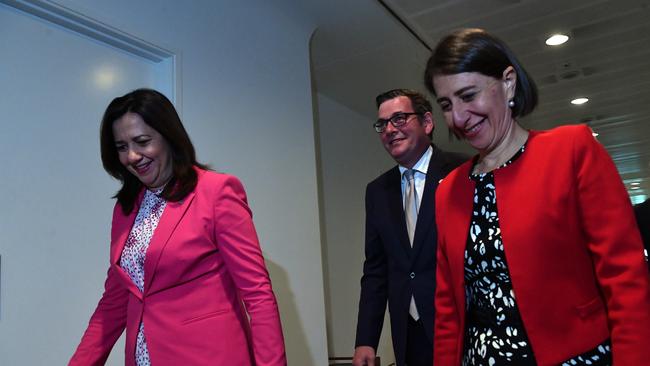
(422, 165)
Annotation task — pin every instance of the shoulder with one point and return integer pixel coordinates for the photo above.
(457, 176)
(392, 175)
(210, 181)
(449, 160)
(453, 164)
(452, 156)
(569, 141)
(117, 209)
(454, 184)
(212, 177)
(643, 209)
(563, 135)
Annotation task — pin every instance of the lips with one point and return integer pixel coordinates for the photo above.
(473, 130)
(142, 168)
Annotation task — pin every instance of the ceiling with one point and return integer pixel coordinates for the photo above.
(362, 49)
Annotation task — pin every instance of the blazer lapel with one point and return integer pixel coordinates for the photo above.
(171, 216)
(426, 218)
(121, 228)
(396, 209)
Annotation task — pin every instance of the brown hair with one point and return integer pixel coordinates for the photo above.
(159, 113)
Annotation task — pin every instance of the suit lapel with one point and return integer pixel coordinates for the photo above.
(171, 216)
(426, 219)
(396, 208)
(121, 227)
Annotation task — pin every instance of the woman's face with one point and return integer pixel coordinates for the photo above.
(475, 106)
(142, 150)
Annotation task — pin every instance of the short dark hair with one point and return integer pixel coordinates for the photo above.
(419, 102)
(159, 113)
(475, 50)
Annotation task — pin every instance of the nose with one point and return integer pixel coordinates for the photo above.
(133, 156)
(390, 129)
(458, 115)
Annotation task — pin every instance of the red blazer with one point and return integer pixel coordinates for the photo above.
(202, 262)
(572, 247)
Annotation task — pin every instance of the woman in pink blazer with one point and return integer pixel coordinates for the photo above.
(187, 278)
(539, 258)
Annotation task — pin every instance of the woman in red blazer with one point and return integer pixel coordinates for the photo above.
(539, 258)
(184, 253)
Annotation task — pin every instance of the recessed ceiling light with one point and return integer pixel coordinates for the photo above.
(635, 187)
(579, 101)
(557, 39)
(635, 183)
(595, 134)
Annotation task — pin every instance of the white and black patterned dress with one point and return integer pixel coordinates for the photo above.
(494, 332)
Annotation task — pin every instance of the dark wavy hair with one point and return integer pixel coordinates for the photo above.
(475, 50)
(159, 113)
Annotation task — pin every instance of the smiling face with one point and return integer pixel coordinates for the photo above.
(406, 143)
(142, 150)
(475, 106)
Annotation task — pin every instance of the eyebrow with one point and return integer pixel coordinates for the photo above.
(392, 115)
(457, 92)
(135, 138)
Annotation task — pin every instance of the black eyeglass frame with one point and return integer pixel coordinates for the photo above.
(397, 120)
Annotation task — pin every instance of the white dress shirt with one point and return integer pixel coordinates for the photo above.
(420, 176)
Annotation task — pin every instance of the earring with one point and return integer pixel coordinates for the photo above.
(511, 103)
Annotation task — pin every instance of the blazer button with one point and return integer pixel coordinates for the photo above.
(412, 275)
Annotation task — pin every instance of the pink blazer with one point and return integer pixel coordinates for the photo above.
(203, 261)
(572, 247)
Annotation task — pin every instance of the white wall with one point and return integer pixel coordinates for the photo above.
(246, 102)
(351, 155)
(55, 219)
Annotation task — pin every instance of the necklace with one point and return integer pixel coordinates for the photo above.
(483, 165)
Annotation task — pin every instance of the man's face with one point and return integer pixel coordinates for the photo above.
(406, 143)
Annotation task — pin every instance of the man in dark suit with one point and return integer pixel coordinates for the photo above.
(401, 237)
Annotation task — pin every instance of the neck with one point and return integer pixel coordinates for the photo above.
(490, 160)
(159, 187)
(411, 163)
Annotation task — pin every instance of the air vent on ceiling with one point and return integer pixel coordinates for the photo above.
(571, 74)
(589, 70)
(611, 24)
(566, 71)
(587, 120)
(596, 121)
(547, 80)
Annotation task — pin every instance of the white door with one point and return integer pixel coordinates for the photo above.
(56, 205)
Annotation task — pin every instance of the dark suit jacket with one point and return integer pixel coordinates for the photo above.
(642, 212)
(393, 270)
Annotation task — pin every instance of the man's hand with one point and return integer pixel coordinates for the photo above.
(364, 356)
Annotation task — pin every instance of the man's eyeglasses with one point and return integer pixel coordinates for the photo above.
(397, 120)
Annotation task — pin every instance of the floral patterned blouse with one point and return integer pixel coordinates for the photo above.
(134, 253)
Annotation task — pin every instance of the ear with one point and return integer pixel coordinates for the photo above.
(509, 79)
(428, 123)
